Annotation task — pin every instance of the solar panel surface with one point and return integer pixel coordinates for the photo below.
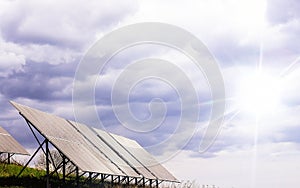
(125, 154)
(69, 141)
(105, 149)
(144, 157)
(9, 145)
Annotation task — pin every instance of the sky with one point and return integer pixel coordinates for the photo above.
(167, 102)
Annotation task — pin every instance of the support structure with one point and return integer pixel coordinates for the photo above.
(44, 146)
(86, 155)
(8, 157)
(61, 168)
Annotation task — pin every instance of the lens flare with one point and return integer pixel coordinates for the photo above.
(259, 94)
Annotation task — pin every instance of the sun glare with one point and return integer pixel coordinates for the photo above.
(259, 95)
(249, 15)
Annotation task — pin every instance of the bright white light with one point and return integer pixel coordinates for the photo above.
(244, 14)
(259, 94)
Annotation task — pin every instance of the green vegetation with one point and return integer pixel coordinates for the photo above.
(33, 178)
(10, 170)
(30, 177)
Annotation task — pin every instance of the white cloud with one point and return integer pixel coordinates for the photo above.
(10, 62)
(212, 21)
(57, 32)
(42, 53)
(67, 23)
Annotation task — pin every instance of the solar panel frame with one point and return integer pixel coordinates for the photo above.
(9, 145)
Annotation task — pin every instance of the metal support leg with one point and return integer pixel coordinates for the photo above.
(64, 168)
(47, 163)
(77, 176)
(44, 146)
(157, 183)
(102, 178)
(8, 158)
(41, 145)
(112, 180)
(89, 180)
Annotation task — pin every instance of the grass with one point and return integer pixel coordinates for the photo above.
(11, 170)
(32, 178)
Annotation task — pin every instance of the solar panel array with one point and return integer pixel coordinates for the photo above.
(95, 150)
(9, 145)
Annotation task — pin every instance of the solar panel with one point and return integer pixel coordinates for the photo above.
(9, 145)
(105, 149)
(95, 150)
(82, 161)
(69, 141)
(124, 153)
(145, 158)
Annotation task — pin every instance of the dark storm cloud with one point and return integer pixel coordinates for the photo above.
(38, 81)
(140, 97)
(68, 23)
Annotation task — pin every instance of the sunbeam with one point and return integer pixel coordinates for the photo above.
(287, 70)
